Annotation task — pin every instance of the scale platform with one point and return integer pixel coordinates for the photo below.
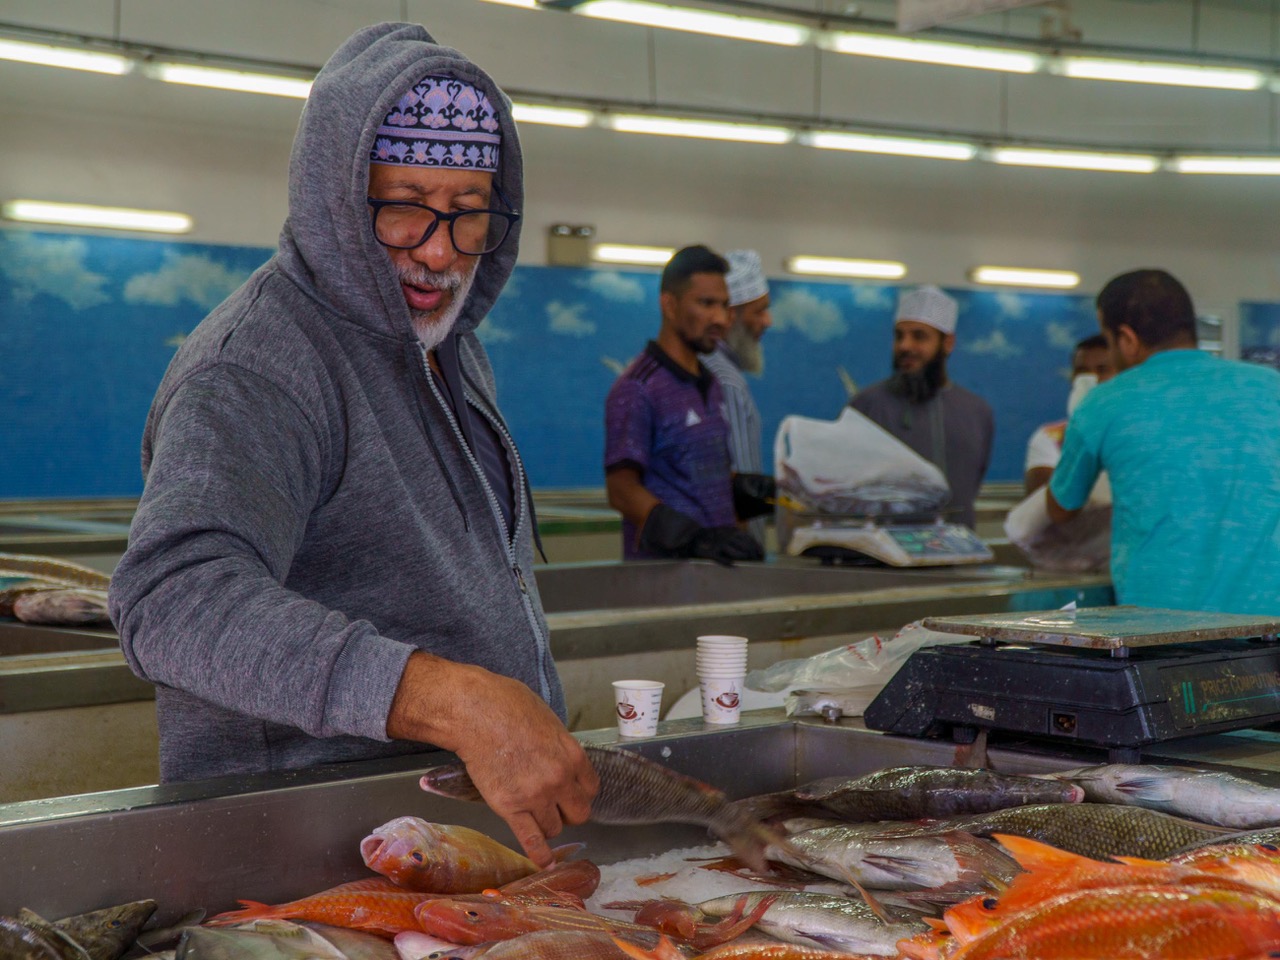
(898, 545)
(1118, 678)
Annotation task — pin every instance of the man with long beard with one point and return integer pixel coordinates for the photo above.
(940, 420)
(331, 560)
(740, 353)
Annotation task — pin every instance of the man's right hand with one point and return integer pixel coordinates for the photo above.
(527, 766)
(725, 545)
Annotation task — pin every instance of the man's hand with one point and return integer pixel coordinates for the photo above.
(527, 766)
(669, 533)
(753, 495)
(725, 545)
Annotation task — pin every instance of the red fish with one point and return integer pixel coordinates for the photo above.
(374, 911)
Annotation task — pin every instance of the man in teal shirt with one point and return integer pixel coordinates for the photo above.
(1192, 446)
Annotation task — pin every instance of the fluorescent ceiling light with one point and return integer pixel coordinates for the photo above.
(696, 21)
(51, 56)
(842, 267)
(895, 146)
(238, 80)
(1018, 277)
(629, 253)
(555, 116)
(930, 51)
(1173, 74)
(1257, 166)
(84, 215)
(706, 129)
(1076, 160)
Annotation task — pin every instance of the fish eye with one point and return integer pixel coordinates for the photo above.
(990, 903)
(417, 856)
(472, 915)
(1270, 848)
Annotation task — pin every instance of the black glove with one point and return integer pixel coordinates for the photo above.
(669, 533)
(752, 493)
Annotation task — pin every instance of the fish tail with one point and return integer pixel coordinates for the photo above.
(1032, 855)
(665, 950)
(249, 910)
(735, 924)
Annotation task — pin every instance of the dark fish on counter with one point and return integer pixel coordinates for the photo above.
(634, 790)
(911, 793)
(951, 861)
(105, 934)
(50, 568)
(441, 858)
(1204, 795)
(1095, 830)
(78, 607)
(19, 941)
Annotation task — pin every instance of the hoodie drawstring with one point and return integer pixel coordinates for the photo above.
(415, 363)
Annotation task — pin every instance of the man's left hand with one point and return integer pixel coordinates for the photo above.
(753, 494)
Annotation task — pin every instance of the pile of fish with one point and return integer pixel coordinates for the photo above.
(48, 591)
(920, 863)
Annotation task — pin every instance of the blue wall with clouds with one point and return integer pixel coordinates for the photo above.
(89, 324)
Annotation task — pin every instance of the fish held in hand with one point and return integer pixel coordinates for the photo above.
(441, 858)
(1205, 795)
(634, 790)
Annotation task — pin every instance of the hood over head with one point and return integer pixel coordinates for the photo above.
(327, 245)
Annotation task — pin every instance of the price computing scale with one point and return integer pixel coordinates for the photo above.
(1118, 678)
(897, 544)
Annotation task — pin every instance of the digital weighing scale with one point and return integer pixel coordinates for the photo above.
(896, 544)
(1119, 678)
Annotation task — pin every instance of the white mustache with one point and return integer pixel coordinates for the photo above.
(426, 278)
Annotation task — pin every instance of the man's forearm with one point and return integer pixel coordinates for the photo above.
(1057, 512)
(629, 496)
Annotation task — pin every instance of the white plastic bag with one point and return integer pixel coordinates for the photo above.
(854, 673)
(851, 466)
(1081, 545)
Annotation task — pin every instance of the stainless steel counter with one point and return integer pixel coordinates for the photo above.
(277, 837)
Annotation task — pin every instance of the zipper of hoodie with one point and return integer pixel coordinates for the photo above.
(541, 641)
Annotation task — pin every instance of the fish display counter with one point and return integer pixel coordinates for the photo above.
(276, 838)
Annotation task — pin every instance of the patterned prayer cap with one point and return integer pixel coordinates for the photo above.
(441, 122)
(745, 277)
(930, 306)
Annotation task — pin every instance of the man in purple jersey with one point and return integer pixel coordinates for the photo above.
(667, 467)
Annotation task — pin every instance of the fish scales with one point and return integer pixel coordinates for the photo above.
(557, 945)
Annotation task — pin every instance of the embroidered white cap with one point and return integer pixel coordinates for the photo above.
(930, 306)
(745, 277)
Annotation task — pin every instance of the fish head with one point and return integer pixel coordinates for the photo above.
(472, 923)
(415, 945)
(405, 850)
(974, 917)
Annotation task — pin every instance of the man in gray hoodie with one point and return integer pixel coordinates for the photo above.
(332, 557)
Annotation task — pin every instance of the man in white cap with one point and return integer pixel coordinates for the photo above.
(943, 422)
(738, 353)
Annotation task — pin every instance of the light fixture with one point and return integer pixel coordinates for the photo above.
(931, 51)
(894, 146)
(630, 253)
(1020, 277)
(1255, 166)
(1076, 160)
(240, 81)
(705, 129)
(843, 267)
(85, 215)
(1151, 71)
(48, 55)
(555, 116)
(695, 21)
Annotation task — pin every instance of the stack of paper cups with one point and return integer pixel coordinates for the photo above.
(722, 668)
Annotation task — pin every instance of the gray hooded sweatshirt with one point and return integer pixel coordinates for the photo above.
(312, 512)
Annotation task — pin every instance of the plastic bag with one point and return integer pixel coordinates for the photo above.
(850, 676)
(1081, 545)
(851, 466)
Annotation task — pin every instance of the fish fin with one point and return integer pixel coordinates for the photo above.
(249, 910)
(567, 850)
(665, 950)
(1140, 862)
(1149, 788)
(1032, 855)
(876, 906)
(937, 924)
(735, 924)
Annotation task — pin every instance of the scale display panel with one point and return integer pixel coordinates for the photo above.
(899, 545)
(1226, 692)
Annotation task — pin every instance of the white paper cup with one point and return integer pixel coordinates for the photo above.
(721, 697)
(637, 704)
(721, 642)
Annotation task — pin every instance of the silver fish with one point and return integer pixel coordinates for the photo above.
(950, 861)
(821, 920)
(634, 790)
(416, 945)
(77, 607)
(259, 940)
(1208, 796)
(355, 944)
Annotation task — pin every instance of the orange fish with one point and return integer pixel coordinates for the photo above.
(442, 858)
(1257, 864)
(578, 877)
(1135, 923)
(929, 945)
(666, 950)
(373, 911)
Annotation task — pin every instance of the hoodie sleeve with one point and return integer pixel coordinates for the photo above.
(236, 469)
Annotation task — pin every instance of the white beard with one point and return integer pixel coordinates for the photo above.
(746, 349)
(433, 327)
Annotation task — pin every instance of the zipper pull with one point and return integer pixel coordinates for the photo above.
(524, 587)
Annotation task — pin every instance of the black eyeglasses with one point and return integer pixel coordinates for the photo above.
(404, 226)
